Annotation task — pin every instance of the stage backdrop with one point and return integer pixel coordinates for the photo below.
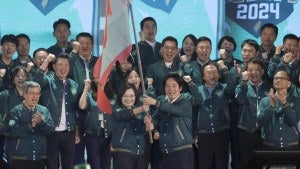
(245, 17)
(174, 17)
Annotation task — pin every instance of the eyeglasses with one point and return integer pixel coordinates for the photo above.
(148, 27)
(280, 78)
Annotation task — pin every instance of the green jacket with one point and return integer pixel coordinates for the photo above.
(52, 96)
(77, 69)
(279, 124)
(25, 142)
(8, 100)
(248, 97)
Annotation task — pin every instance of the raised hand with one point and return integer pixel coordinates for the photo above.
(282, 95)
(222, 53)
(272, 97)
(2, 72)
(245, 76)
(187, 78)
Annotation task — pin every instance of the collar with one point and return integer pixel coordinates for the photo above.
(256, 85)
(151, 43)
(26, 107)
(84, 58)
(174, 99)
(201, 63)
(264, 50)
(211, 88)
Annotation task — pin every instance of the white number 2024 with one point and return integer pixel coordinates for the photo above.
(257, 11)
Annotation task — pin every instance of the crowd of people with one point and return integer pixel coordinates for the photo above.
(183, 110)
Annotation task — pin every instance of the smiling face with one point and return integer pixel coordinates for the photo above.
(169, 51)
(210, 75)
(86, 46)
(20, 78)
(31, 97)
(8, 50)
(134, 78)
(172, 89)
(188, 46)
(255, 73)
(128, 99)
(61, 68)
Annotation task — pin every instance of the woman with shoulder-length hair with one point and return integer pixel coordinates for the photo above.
(128, 130)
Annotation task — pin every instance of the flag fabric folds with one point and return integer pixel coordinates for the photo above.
(116, 46)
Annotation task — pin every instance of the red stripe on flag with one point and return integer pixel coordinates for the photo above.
(116, 46)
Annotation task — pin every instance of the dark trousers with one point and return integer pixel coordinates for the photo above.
(26, 164)
(152, 154)
(248, 142)
(213, 150)
(183, 159)
(123, 160)
(3, 164)
(80, 147)
(63, 144)
(234, 152)
(98, 151)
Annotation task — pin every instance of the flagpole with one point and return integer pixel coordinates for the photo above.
(139, 61)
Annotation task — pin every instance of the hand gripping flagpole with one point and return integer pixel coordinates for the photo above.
(139, 62)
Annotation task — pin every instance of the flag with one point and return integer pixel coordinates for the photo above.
(116, 46)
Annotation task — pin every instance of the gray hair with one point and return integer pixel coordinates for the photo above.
(30, 84)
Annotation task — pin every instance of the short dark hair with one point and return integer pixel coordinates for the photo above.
(174, 76)
(256, 61)
(61, 21)
(129, 59)
(250, 42)
(85, 34)
(39, 49)
(290, 36)
(283, 70)
(169, 38)
(269, 25)
(10, 38)
(229, 39)
(61, 56)
(203, 38)
(22, 35)
(124, 88)
(207, 64)
(147, 19)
